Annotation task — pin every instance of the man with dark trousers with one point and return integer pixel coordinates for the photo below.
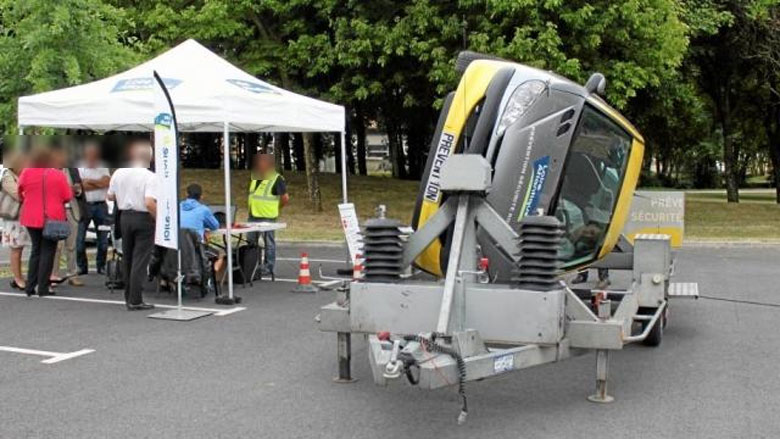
(134, 190)
(94, 182)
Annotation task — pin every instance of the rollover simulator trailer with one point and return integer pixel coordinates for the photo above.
(529, 176)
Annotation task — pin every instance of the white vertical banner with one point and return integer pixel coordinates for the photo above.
(351, 226)
(166, 166)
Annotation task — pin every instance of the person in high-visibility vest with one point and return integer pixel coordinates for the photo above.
(267, 196)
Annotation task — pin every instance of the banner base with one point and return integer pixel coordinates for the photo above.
(180, 315)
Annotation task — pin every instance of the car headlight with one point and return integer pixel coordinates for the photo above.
(521, 100)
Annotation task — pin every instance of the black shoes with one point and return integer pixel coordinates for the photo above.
(16, 285)
(140, 307)
(50, 293)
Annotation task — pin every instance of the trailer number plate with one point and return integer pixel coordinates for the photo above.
(504, 363)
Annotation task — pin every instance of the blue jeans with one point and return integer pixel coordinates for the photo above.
(96, 213)
(270, 242)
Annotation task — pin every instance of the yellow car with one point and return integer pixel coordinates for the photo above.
(556, 148)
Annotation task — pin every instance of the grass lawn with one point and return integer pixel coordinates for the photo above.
(708, 216)
(302, 223)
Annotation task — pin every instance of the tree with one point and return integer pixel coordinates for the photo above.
(312, 172)
(765, 50)
(46, 45)
(727, 75)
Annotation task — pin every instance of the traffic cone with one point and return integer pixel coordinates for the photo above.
(304, 277)
(357, 268)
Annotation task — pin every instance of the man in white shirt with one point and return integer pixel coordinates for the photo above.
(133, 189)
(94, 182)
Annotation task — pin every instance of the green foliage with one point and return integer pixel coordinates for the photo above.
(669, 63)
(46, 45)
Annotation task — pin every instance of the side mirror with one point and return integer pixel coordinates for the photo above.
(597, 83)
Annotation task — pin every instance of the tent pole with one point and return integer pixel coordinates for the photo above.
(228, 216)
(344, 170)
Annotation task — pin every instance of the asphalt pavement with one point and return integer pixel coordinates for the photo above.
(266, 371)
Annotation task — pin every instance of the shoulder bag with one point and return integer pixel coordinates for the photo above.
(53, 230)
(9, 207)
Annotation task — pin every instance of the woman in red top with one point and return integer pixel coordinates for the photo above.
(41, 189)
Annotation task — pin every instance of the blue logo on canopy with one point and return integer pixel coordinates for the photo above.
(164, 120)
(254, 87)
(136, 84)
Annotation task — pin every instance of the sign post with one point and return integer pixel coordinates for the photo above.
(166, 166)
(351, 226)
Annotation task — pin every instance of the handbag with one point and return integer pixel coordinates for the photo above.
(53, 230)
(9, 207)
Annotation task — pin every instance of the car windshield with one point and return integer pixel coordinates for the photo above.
(591, 184)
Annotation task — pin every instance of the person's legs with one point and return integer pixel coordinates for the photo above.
(32, 264)
(128, 241)
(144, 241)
(48, 250)
(81, 245)
(70, 245)
(16, 266)
(99, 215)
(253, 238)
(55, 272)
(270, 251)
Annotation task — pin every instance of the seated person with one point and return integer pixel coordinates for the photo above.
(198, 217)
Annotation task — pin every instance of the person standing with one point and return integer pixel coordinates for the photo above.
(133, 190)
(43, 191)
(74, 211)
(267, 196)
(14, 234)
(94, 181)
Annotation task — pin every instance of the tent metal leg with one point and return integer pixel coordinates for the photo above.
(230, 299)
(344, 170)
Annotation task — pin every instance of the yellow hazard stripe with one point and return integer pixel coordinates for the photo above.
(471, 90)
(623, 206)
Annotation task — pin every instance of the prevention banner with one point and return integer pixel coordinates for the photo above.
(657, 212)
(166, 166)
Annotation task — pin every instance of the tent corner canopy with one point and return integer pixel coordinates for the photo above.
(206, 89)
(210, 95)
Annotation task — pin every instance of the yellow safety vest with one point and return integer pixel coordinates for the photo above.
(262, 202)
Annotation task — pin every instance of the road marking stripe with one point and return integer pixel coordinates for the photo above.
(220, 312)
(68, 356)
(55, 357)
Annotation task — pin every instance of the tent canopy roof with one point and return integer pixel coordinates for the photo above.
(206, 90)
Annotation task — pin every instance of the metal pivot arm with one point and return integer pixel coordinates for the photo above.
(433, 228)
(495, 226)
(447, 301)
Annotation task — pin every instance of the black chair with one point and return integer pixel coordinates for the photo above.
(197, 268)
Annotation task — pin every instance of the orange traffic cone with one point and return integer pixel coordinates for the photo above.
(304, 277)
(357, 268)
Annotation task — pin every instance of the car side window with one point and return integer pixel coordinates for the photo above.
(591, 184)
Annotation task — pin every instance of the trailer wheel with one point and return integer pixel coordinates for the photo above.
(656, 334)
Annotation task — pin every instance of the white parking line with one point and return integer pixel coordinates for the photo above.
(219, 312)
(54, 357)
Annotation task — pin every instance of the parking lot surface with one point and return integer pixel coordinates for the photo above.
(266, 371)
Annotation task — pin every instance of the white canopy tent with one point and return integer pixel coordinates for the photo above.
(209, 94)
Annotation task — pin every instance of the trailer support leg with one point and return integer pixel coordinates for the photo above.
(604, 309)
(344, 342)
(602, 366)
(345, 358)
